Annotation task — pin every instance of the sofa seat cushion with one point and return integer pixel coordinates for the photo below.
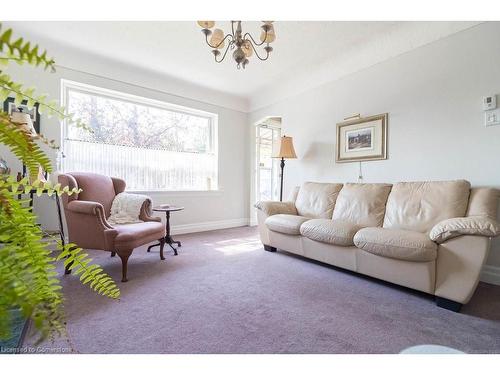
(286, 224)
(397, 244)
(334, 232)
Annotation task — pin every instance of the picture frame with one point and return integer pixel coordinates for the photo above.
(362, 139)
(9, 106)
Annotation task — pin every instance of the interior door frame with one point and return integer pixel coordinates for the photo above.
(256, 158)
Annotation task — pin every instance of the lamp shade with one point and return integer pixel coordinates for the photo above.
(206, 24)
(24, 122)
(268, 37)
(285, 149)
(217, 38)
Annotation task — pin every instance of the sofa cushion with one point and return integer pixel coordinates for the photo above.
(418, 206)
(483, 202)
(287, 224)
(362, 204)
(330, 231)
(397, 244)
(316, 200)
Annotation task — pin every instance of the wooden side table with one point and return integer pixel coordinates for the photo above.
(168, 238)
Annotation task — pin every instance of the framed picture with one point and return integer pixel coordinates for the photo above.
(9, 106)
(362, 139)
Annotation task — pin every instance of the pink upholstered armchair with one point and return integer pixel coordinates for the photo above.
(87, 212)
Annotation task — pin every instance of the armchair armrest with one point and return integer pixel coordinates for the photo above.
(470, 225)
(146, 211)
(90, 208)
(275, 207)
(85, 207)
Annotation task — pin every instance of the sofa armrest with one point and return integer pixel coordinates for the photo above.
(459, 226)
(458, 267)
(90, 208)
(274, 207)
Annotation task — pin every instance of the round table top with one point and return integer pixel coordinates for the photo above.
(168, 209)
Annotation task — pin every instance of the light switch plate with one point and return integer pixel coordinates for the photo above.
(489, 102)
(492, 118)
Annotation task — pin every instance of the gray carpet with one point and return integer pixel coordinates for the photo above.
(224, 294)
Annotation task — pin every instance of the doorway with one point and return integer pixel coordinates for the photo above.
(268, 133)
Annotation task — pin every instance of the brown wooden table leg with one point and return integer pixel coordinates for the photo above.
(168, 237)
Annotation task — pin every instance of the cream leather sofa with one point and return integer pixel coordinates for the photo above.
(429, 236)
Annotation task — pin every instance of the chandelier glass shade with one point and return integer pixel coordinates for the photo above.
(243, 46)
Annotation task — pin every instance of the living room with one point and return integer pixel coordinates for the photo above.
(318, 184)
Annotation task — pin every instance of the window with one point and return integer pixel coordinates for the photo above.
(152, 145)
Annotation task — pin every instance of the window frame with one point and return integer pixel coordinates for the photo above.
(213, 118)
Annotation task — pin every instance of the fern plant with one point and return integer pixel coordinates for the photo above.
(28, 278)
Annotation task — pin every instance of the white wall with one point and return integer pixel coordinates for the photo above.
(203, 210)
(433, 97)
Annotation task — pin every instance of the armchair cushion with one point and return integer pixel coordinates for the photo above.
(274, 207)
(130, 236)
(472, 225)
(286, 224)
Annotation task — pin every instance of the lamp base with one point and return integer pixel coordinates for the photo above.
(282, 165)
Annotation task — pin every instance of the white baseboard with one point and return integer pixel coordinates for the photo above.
(209, 225)
(490, 275)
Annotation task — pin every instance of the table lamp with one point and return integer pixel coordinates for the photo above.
(284, 151)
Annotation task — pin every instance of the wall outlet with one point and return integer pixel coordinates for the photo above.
(492, 118)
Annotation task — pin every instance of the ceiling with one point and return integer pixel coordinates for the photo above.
(177, 49)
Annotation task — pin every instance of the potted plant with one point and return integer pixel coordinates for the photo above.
(29, 283)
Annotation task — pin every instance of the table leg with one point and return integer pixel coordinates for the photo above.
(150, 247)
(168, 237)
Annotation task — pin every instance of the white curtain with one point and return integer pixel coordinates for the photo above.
(143, 169)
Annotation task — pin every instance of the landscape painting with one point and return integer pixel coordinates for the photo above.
(359, 140)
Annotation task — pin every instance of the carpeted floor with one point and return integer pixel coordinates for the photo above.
(224, 294)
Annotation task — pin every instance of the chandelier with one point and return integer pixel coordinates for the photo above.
(242, 45)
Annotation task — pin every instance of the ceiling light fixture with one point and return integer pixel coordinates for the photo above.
(242, 44)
